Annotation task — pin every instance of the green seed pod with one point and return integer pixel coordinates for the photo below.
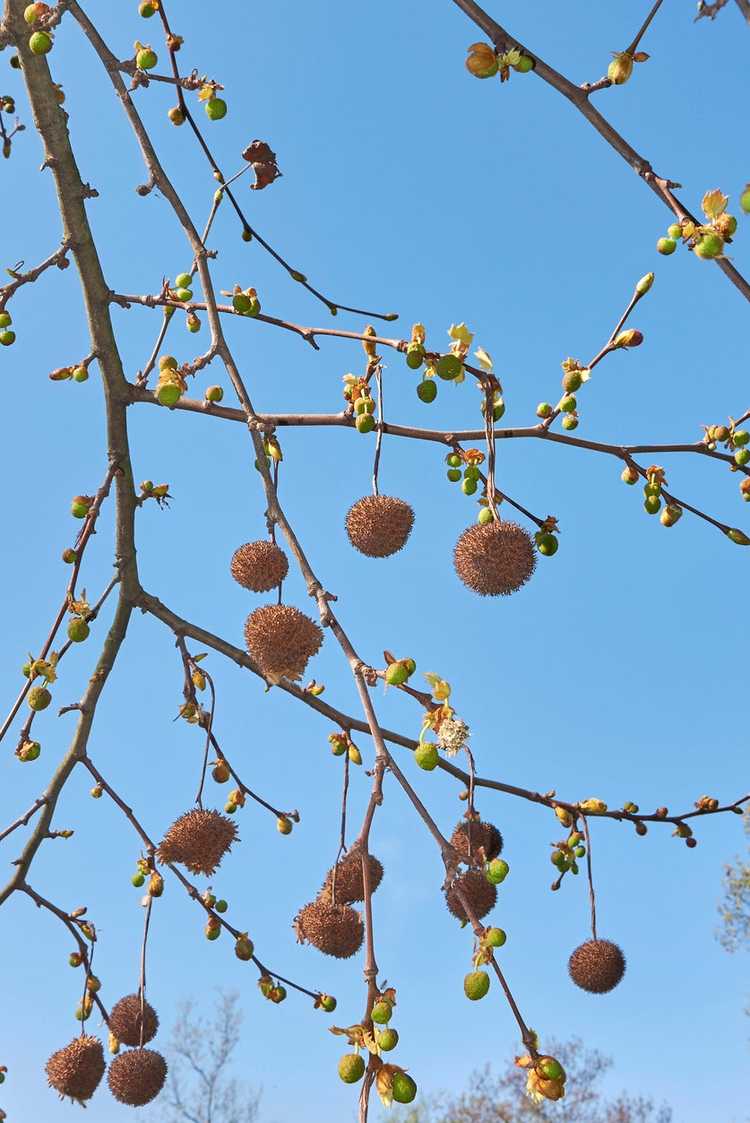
(570, 421)
(216, 108)
(40, 43)
(386, 1039)
(652, 504)
(382, 1012)
(365, 423)
(547, 544)
(39, 698)
(78, 630)
(666, 246)
(426, 755)
(674, 231)
(183, 280)
(485, 516)
(572, 381)
(454, 475)
(146, 59)
(351, 1068)
(453, 460)
(403, 1088)
(496, 871)
(568, 403)
(476, 985)
(7, 338)
(449, 366)
(5, 319)
(495, 937)
(427, 390)
(415, 356)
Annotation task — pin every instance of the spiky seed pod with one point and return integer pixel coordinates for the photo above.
(259, 566)
(281, 639)
(478, 891)
(477, 841)
(199, 840)
(76, 1070)
(597, 966)
(125, 1020)
(495, 559)
(349, 880)
(333, 929)
(136, 1077)
(379, 525)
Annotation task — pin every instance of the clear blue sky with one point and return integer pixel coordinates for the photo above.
(618, 672)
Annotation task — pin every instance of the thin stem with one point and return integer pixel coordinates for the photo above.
(592, 894)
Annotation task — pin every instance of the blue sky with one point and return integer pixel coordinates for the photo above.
(616, 672)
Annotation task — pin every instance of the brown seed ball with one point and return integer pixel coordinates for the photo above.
(477, 841)
(495, 559)
(259, 566)
(199, 840)
(479, 892)
(333, 929)
(125, 1020)
(597, 966)
(379, 525)
(349, 880)
(76, 1070)
(136, 1077)
(281, 639)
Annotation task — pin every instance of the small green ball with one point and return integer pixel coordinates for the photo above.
(449, 366)
(7, 338)
(745, 200)
(183, 280)
(453, 460)
(485, 516)
(524, 64)
(382, 1012)
(216, 108)
(495, 937)
(468, 487)
(168, 394)
(569, 421)
(403, 1089)
(365, 423)
(387, 1039)
(741, 437)
(568, 404)
(674, 231)
(137, 880)
(40, 43)
(5, 319)
(666, 246)
(351, 1068)
(476, 985)
(146, 59)
(427, 390)
(39, 698)
(497, 870)
(414, 356)
(544, 410)
(652, 503)
(78, 630)
(80, 374)
(184, 295)
(741, 456)
(426, 755)
(454, 475)
(547, 545)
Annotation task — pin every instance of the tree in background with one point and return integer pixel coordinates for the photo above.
(735, 906)
(494, 556)
(497, 1097)
(200, 1087)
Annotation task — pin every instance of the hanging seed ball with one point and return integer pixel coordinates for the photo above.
(76, 1070)
(495, 559)
(349, 880)
(379, 525)
(281, 639)
(597, 966)
(259, 566)
(125, 1020)
(199, 840)
(478, 891)
(333, 929)
(136, 1077)
(477, 841)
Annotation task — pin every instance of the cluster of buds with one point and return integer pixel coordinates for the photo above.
(7, 335)
(465, 463)
(171, 384)
(39, 697)
(706, 240)
(159, 492)
(38, 17)
(77, 373)
(272, 991)
(546, 537)
(706, 803)
(485, 61)
(210, 901)
(621, 66)
(215, 106)
(235, 799)
(546, 1077)
(735, 441)
(245, 301)
(398, 671)
(672, 512)
(263, 161)
(566, 852)
(342, 743)
(325, 1002)
(357, 391)
(191, 712)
